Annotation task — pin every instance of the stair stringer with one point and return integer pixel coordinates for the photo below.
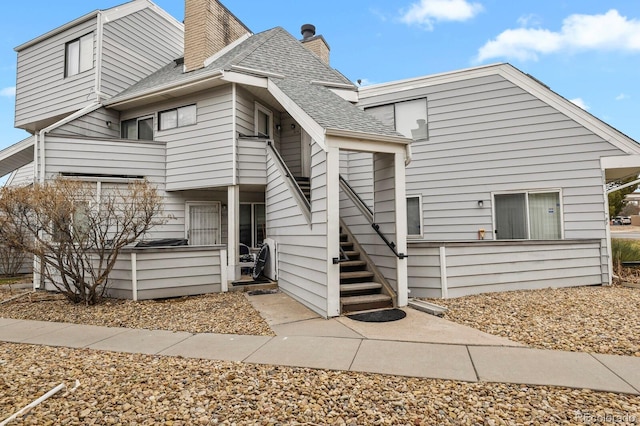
(371, 266)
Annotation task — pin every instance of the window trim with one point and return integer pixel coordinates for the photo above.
(176, 109)
(187, 223)
(400, 101)
(421, 234)
(259, 108)
(526, 192)
(138, 119)
(78, 40)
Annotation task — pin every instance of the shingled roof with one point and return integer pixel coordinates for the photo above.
(305, 76)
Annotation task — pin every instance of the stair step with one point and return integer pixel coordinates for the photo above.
(365, 302)
(359, 287)
(352, 263)
(353, 275)
(346, 244)
(344, 237)
(352, 254)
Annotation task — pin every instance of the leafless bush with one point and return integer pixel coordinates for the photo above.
(76, 231)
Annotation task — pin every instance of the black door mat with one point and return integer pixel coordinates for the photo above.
(385, 315)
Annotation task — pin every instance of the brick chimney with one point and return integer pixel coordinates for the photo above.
(208, 28)
(316, 44)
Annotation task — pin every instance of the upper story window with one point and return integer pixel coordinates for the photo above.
(79, 55)
(177, 117)
(137, 128)
(407, 117)
(263, 121)
(528, 216)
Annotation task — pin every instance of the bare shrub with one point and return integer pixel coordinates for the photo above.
(76, 231)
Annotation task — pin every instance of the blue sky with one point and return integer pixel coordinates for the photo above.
(586, 50)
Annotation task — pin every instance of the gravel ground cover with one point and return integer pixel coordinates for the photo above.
(599, 319)
(118, 388)
(228, 313)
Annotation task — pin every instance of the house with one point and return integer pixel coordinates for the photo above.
(362, 194)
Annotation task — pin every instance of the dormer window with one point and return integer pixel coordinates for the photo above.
(79, 55)
(137, 128)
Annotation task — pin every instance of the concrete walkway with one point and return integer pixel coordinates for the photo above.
(420, 345)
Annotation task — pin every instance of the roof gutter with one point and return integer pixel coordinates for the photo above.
(351, 134)
(167, 88)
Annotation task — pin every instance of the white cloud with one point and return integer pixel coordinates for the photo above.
(580, 103)
(609, 31)
(427, 12)
(8, 91)
(622, 96)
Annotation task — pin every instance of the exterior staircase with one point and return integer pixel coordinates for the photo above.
(362, 288)
(305, 186)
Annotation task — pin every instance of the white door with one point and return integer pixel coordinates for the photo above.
(203, 223)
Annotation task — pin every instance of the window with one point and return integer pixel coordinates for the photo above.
(202, 225)
(407, 117)
(528, 215)
(177, 117)
(137, 128)
(414, 216)
(252, 224)
(79, 55)
(263, 120)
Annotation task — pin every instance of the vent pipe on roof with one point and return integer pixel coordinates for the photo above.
(316, 44)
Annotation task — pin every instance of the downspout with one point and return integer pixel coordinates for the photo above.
(35, 157)
(408, 154)
(234, 139)
(98, 71)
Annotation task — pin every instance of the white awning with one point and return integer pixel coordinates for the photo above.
(16, 156)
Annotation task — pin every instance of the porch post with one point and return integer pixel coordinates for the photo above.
(233, 231)
(401, 227)
(333, 231)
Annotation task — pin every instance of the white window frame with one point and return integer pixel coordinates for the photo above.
(78, 59)
(395, 115)
(526, 201)
(254, 231)
(138, 119)
(259, 108)
(177, 110)
(187, 224)
(421, 234)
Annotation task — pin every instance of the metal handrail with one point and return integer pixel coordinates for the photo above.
(364, 207)
(289, 176)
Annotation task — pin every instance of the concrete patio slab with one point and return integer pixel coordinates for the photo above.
(279, 308)
(76, 336)
(422, 327)
(627, 367)
(148, 342)
(545, 367)
(223, 347)
(20, 331)
(415, 360)
(330, 353)
(315, 327)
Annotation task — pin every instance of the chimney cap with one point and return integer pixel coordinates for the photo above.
(308, 31)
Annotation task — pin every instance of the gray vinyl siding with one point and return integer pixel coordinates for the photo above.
(167, 272)
(201, 155)
(486, 136)
(501, 266)
(290, 145)
(93, 124)
(65, 154)
(42, 91)
(302, 247)
(489, 135)
(252, 169)
(135, 46)
(360, 175)
(22, 176)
